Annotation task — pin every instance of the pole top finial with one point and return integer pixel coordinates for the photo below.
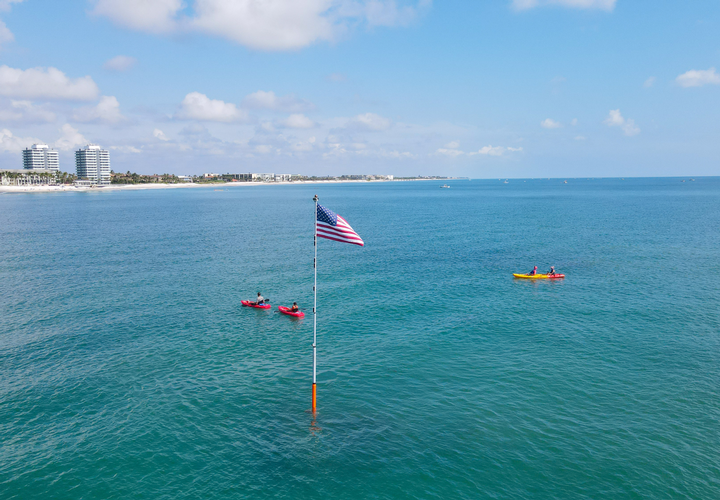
(315, 198)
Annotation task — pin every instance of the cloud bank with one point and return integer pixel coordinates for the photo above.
(606, 5)
(45, 83)
(267, 25)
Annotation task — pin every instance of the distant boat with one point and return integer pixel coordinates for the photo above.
(445, 186)
(682, 180)
(565, 182)
(692, 180)
(505, 181)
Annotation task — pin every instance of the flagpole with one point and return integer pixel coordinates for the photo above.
(314, 392)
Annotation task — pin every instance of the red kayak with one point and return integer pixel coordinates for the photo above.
(247, 303)
(286, 310)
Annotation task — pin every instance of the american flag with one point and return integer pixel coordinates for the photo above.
(333, 227)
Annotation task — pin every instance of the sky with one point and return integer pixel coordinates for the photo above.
(481, 88)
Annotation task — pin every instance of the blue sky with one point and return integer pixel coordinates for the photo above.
(486, 89)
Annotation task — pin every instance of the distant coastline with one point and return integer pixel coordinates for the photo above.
(69, 188)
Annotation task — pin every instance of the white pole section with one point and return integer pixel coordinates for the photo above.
(314, 398)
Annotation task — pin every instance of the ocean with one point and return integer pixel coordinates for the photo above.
(128, 368)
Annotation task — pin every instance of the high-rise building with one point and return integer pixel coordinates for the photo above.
(40, 157)
(93, 163)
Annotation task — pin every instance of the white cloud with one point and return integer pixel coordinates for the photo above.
(337, 77)
(10, 143)
(649, 82)
(494, 151)
(388, 13)
(574, 122)
(268, 100)
(549, 123)
(303, 146)
(698, 78)
(275, 25)
(615, 119)
(152, 16)
(397, 154)
(26, 112)
(6, 35)
(297, 121)
(197, 106)
(607, 5)
(120, 63)
(106, 111)
(6, 4)
(159, 134)
(126, 149)
(370, 121)
(453, 145)
(70, 138)
(266, 25)
(50, 83)
(453, 153)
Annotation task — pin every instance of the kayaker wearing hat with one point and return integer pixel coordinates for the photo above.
(552, 271)
(259, 301)
(533, 272)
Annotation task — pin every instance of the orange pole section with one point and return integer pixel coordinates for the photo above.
(314, 399)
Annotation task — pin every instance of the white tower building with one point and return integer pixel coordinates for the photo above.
(93, 163)
(40, 157)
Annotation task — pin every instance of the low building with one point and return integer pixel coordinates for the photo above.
(283, 177)
(211, 176)
(185, 178)
(41, 157)
(92, 163)
(236, 177)
(28, 177)
(263, 177)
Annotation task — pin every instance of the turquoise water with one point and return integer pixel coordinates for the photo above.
(128, 369)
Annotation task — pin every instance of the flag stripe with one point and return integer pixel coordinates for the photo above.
(337, 229)
(339, 237)
(360, 243)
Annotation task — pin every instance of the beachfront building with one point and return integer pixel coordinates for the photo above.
(92, 164)
(185, 178)
(262, 177)
(40, 157)
(283, 177)
(237, 177)
(28, 177)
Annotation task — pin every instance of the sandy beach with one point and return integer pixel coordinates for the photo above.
(125, 187)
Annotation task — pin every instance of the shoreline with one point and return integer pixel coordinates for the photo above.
(189, 185)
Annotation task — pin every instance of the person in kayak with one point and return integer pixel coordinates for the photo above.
(551, 272)
(294, 308)
(259, 301)
(533, 272)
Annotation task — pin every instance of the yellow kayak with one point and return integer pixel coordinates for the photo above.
(539, 276)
